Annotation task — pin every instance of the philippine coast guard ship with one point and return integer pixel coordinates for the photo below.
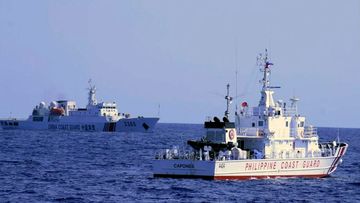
(268, 141)
(65, 115)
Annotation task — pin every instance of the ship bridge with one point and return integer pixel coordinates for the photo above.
(220, 132)
(107, 109)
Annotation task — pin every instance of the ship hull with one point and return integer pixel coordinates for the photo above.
(315, 167)
(136, 125)
(140, 124)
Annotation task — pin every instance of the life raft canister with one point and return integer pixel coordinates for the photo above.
(231, 134)
(57, 111)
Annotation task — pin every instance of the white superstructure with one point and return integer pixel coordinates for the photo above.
(97, 116)
(282, 131)
(270, 140)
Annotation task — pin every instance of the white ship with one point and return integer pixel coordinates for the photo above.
(267, 141)
(65, 115)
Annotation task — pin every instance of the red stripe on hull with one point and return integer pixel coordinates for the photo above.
(267, 177)
(182, 176)
(239, 177)
(336, 160)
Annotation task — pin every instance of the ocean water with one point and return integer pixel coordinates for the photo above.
(60, 166)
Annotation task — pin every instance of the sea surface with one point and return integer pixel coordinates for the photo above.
(60, 166)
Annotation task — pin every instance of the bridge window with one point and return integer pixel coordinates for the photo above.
(38, 119)
(261, 123)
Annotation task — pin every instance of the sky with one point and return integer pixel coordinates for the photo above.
(179, 55)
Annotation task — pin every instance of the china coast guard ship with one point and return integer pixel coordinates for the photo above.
(65, 115)
(270, 140)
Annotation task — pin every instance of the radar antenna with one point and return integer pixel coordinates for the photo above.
(294, 101)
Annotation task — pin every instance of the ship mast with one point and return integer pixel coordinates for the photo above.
(266, 100)
(228, 100)
(91, 98)
(266, 70)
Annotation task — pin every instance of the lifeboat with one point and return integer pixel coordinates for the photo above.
(55, 111)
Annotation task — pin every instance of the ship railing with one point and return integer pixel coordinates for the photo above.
(249, 112)
(250, 132)
(175, 153)
(328, 149)
(289, 111)
(310, 131)
(294, 154)
(325, 150)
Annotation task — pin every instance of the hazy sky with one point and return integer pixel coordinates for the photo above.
(181, 54)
